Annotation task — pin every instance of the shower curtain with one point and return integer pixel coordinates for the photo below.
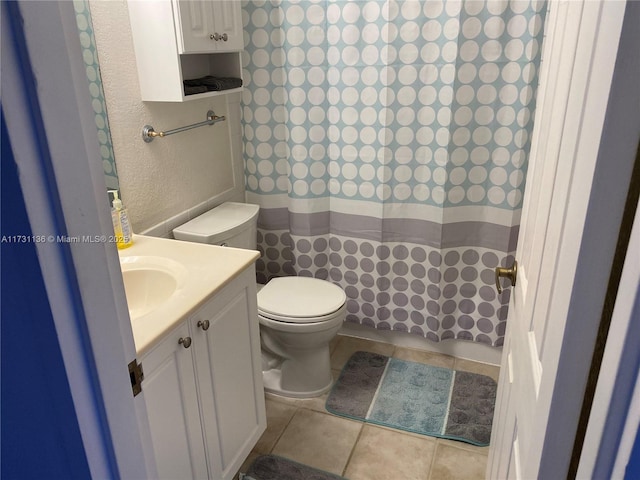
(386, 144)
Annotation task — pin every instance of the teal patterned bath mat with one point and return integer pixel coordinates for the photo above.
(415, 397)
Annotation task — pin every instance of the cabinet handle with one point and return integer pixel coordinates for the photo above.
(216, 36)
(203, 324)
(185, 342)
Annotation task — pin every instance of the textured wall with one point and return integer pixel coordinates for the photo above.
(173, 175)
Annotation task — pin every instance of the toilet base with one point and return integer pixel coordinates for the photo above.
(272, 384)
(295, 356)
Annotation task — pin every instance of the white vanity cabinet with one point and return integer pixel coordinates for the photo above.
(208, 26)
(177, 40)
(203, 387)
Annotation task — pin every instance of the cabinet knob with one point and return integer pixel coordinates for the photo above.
(216, 36)
(204, 325)
(185, 342)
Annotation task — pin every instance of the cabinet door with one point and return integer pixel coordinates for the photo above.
(227, 17)
(195, 26)
(200, 22)
(229, 373)
(169, 389)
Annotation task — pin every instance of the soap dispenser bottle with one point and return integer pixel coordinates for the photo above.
(121, 225)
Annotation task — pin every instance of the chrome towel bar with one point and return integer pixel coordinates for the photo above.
(148, 133)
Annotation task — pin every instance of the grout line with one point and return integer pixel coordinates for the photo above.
(334, 346)
(284, 429)
(362, 424)
(433, 459)
(353, 449)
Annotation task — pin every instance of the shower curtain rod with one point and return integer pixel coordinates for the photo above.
(148, 133)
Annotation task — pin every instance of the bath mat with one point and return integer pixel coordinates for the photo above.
(415, 397)
(272, 467)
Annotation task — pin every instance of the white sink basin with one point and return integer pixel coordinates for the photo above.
(149, 282)
(167, 280)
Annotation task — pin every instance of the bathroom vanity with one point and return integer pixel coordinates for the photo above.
(200, 351)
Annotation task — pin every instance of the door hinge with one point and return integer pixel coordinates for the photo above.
(136, 375)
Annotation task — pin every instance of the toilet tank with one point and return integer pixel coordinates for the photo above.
(231, 224)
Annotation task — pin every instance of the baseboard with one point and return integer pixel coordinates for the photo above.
(478, 352)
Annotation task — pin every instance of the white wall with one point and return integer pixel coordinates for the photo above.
(173, 179)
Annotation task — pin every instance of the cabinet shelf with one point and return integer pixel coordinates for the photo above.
(197, 96)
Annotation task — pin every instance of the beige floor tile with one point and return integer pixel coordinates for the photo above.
(382, 454)
(278, 417)
(318, 440)
(280, 399)
(349, 345)
(453, 463)
(420, 356)
(476, 367)
(334, 343)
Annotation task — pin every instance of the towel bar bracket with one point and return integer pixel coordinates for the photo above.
(148, 133)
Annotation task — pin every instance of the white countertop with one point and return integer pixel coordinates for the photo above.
(208, 269)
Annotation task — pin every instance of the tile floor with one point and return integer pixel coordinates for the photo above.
(303, 431)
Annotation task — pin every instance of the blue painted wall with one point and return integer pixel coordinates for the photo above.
(633, 467)
(40, 437)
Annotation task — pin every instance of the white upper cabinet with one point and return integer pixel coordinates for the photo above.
(208, 26)
(178, 40)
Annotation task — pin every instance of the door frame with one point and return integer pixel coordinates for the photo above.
(50, 121)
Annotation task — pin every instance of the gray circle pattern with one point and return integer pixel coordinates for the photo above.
(412, 288)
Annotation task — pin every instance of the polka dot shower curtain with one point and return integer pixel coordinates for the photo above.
(386, 143)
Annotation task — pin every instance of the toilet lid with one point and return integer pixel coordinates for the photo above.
(300, 299)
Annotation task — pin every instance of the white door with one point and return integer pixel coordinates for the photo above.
(83, 279)
(577, 64)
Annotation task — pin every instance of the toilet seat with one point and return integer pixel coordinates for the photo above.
(300, 300)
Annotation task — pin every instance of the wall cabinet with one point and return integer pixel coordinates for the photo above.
(203, 387)
(177, 40)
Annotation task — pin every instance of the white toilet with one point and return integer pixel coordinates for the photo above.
(298, 315)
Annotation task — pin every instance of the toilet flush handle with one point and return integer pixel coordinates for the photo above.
(204, 325)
